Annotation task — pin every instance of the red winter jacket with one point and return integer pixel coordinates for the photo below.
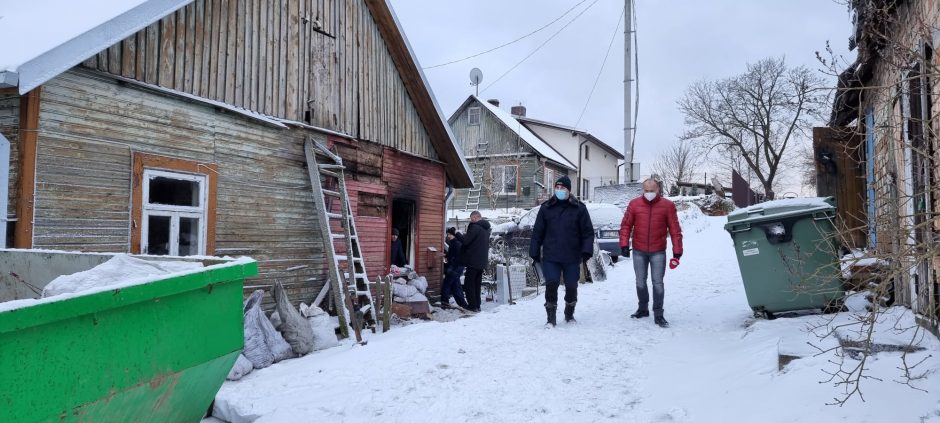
(647, 222)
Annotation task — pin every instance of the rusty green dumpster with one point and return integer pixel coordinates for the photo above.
(151, 352)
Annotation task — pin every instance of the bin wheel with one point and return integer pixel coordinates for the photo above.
(764, 314)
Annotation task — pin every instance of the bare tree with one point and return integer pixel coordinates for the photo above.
(678, 163)
(758, 115)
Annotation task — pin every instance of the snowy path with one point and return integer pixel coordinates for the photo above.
(502, 366)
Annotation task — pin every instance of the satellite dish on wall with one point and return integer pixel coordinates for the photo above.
(476, 77)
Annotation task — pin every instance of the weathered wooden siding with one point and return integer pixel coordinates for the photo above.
(498, 138)
(9, 127)
(91, 126)
(529, 194)
(284, 58)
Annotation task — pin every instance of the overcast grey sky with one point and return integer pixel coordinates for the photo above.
(680, 41)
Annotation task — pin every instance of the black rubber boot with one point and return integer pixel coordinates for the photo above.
(661, 322)
(569, 311)
(550, 311)
(640, 313)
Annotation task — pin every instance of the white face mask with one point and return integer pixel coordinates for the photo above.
(649, 196)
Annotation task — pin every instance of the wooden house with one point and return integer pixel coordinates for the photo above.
(512, 166)
(177, 127)
(879, 154)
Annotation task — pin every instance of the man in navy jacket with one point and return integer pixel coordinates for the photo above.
(562, 239)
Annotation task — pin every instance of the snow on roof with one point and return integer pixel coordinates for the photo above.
(534, 141)
(63, 33)
(598, 141)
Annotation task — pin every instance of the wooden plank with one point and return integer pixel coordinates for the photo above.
(189, 62)
(230, 53)
(292, 73)
(268, 11)
(179, 50)
(200, 41)
(280, 65)
(129, 56)
(102, 60)
(214, 37)
(28, 140)
(221, 52)
(141, 61)
(165, 75)
(240, 51)
(114, 59)
(153, 53)
(251, 56)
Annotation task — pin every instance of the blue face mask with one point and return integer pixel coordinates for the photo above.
(561, 194)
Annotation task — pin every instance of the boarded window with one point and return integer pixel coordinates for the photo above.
(372, 205)
(473, 116)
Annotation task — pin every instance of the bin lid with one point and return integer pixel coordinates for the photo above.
(781, 208)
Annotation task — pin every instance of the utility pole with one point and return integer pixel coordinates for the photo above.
(628, 92)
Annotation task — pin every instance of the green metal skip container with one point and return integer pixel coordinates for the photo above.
(788, 255)
(154, 352)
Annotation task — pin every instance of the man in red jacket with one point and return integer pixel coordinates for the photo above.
(647, 221)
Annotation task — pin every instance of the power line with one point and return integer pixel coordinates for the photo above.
(540, 46)
(599, 72)
(511, 42)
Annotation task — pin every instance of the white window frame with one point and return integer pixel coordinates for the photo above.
(474, 111)
(501, 181)
(174, 212)
(549, 179)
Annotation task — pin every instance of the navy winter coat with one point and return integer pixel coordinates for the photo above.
(476, 245)
(563, 232)
(453, 251)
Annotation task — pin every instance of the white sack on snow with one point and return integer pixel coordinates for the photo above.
(256, 350)
(416, 298)
(322, 326)
(421, 283)
(401, 281)
(241, 368)
(256, 322)
(275, 320)
(295, 328)
(403, 291)
(118, 269)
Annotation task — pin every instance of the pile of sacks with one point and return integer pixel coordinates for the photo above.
(288, 333)
(409, 292)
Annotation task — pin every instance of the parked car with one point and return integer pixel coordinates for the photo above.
(513, 240)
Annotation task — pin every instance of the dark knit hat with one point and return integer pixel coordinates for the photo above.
(564, 181)
(452, 231)
(395, 231)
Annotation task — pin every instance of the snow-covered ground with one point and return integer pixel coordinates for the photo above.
(716, 363)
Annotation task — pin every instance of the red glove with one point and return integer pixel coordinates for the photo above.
(674, 262)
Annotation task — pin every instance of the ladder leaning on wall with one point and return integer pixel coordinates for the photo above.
(327, 178)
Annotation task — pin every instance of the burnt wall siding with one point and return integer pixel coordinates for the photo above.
(284, 58)
(422, 181)
(9, 127)
(90, 126)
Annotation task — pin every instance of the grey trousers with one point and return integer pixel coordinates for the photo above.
(642, 264)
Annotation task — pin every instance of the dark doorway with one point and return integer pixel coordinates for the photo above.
(403, 219)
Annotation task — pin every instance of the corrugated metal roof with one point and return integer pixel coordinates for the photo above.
(49, 37)
(530, 138)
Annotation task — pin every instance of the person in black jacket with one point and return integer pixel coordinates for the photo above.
(398, 253)
(453, 270)
(475, 256)
(562, 239)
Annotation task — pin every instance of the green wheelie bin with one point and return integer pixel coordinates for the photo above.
(788, 255)
(150, 352)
